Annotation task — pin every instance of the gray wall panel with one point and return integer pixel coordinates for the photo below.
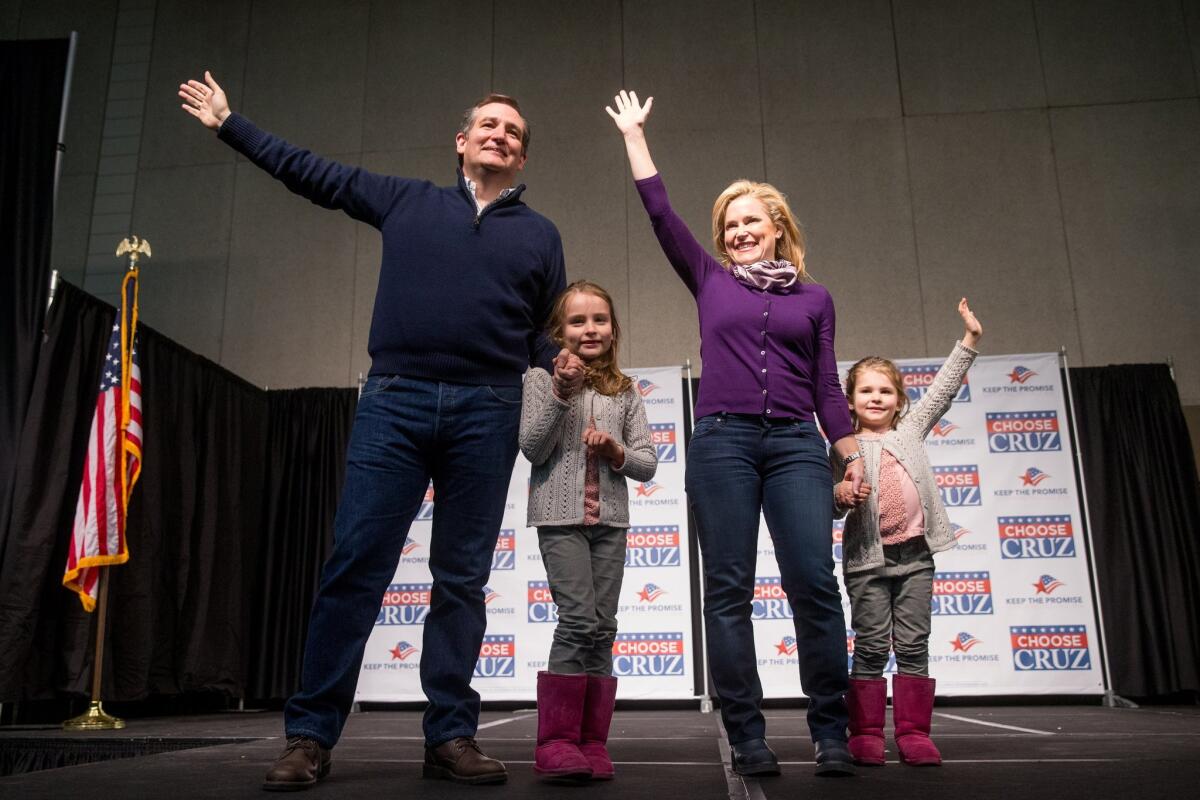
(428, 60)
(1131, 198)
(562, 61)
(700, 57)
(960, 56)
(72, 218)
(1112, 51)
(95, 22)
(827, 59)
(183, 286)
(985, 201)
(847, 183)
(305, 72)
(185, 45)
(291, 278)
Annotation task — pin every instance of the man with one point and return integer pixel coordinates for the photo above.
(468, 277)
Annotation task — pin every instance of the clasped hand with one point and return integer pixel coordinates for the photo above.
(845, 496)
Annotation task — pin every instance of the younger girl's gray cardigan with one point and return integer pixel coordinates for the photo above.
(862, 547)
(552, 439)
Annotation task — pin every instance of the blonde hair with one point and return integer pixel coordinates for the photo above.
(887, 368)
(789, 246)
(602, 372)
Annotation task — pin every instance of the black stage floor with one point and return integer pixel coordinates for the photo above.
(1017, 753)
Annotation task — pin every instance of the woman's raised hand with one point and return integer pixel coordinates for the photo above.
(972, 329)
(205, 101)
(630, 115)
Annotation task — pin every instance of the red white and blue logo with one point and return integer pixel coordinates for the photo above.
(1050, 648)
(402, 651)
(1047, 584)
(489, 594)
(917, 378)
(647, 489)
(786, 647)
(648, 654)
(650, 592)
(959, 531)
(1050, 536)
(962, 593)
(405, 604)
(425, 512)
(770, 601)
(943, 428)
(652, 546)
(1023, 431)
(410, 544)
(1033, 476)
(839, 533)
(662, 434)
(505, 554)
(1020, 374)
(959, 485)
(964, 642)
(646, 387)
(540, 601)
(497, 657)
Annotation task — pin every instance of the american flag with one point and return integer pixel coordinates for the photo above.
(114, 458)
(964, 641)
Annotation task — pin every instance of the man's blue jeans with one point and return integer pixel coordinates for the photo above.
(407, 432)
(735, 466)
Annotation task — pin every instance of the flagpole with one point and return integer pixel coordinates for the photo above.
(95, 718)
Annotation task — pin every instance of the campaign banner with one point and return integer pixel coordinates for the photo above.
(1012, 611)
(653, 653)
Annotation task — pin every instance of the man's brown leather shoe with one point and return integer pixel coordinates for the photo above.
(301, 764)
(460, 760)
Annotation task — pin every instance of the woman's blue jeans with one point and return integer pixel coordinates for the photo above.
(735, 466)
(407, 432)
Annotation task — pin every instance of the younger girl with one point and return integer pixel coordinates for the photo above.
(585, 431)
(890, 536)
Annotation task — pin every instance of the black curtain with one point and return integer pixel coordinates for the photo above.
(306, 457)
(227, 527)
(1145, 525)
(31, 91)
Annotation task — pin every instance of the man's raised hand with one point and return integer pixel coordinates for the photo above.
(205, 101)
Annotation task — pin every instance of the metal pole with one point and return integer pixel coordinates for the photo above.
(94, 719)
(53, 288)
(706, 703)
(60, 146)
(1111, 699)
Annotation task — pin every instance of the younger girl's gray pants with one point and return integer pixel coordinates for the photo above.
(890, 609)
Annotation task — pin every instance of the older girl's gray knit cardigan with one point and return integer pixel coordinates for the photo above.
(552, 439)
(862, 547)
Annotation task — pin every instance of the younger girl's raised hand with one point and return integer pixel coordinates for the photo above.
(630, 115)
(972, 329)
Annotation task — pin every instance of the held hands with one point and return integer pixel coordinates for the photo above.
(973, 330)
(604, 446)
(630, 115)
(845, 495)
(568, 374)
(205, 101)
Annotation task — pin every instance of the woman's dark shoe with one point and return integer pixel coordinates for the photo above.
(834, 759)
(753, 758)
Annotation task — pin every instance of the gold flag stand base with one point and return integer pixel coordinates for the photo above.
(94, 719)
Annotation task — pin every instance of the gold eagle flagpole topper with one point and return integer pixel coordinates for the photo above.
(95, 717)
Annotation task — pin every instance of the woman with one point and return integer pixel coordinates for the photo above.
(767, 345)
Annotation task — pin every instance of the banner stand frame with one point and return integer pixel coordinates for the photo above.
(1111, 699)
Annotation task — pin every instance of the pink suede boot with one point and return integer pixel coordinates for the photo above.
(560, 710)
(867, 700)
(912, 710)
(597, 716)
